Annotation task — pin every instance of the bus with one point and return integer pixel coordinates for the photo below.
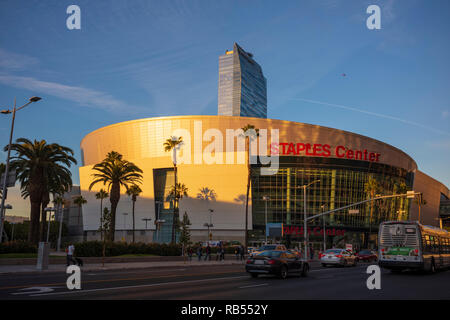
(411, 245)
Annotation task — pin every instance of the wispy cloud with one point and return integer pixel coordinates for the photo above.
(380, 115)
(83, 96)
(15, 61)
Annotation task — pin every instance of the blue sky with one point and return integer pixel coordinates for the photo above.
(142, 58)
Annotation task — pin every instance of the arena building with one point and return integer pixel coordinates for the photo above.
(286, 156)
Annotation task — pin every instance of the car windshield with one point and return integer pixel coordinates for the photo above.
(270, 254)
(365, 252)
(333, 251)
(268, 247)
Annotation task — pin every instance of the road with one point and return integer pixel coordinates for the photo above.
(225, 282)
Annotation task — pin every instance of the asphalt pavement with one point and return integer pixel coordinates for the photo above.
(211, 280)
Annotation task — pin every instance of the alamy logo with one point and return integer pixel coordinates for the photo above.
(374, 21)
(374, 281)
(235, 147)
(74, 280)
(74, 20)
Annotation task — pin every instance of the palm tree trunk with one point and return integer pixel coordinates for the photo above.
(248, 194)
(33, 234)
(114, 198)
(175, 203)
(101, 219)
(133, 219)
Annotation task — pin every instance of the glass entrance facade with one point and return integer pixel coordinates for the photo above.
(342, 182)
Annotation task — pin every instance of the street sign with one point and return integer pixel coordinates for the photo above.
(10, 181)
(349, 246)
(410, 194)
(353, 211)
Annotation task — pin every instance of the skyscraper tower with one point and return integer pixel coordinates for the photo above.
(242, 85)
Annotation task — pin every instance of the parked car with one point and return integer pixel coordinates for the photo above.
(279, 247)
(340, 257)
(250, 250)
(276, 262)
(367, 255)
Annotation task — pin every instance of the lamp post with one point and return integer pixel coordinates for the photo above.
(210, 222)
(305, 231)
(8, 206)
(209, 225)
(61, 216)
(324, 233)
(49, 217)
(265, 198)
(5, 179)
(157, 221)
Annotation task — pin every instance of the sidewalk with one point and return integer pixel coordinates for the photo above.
(6, 269)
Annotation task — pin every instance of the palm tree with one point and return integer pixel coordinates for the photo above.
(250, 134)
(173, 144)
(102, 194)
(133, 191)
(115, 172)
(79, 201)
(40, 168)
(176, 195)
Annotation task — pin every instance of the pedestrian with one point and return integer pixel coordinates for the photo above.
(236, 252)
(208, 253)
(190, 252)
(241, 252)
(222, 253)
(70, 251)
(311, 251)
(199, 252)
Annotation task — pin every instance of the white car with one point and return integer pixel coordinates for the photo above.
(341, 257)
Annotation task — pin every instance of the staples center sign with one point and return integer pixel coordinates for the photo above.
(322, 150)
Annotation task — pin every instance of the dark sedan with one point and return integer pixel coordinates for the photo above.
(367, 255)
(277, 262)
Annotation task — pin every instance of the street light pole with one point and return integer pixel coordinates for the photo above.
(5, 179)
(324, 233)
(266, 198)
(61, 215)
(305, 231)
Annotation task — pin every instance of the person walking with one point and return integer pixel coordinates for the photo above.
(241, 252)
(190, 253)
(311, 251)
(236, 252)
(70, 251)
(208, 253)
(199, 252)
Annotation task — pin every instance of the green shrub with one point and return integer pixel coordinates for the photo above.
(18, 247)
(94, 249)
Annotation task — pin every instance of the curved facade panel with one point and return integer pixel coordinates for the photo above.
(213, 157)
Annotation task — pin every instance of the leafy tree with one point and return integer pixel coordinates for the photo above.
(134, 192)
(176, 195)
(105, 229)
(41, 168)
(102, 194)
(114, 171)
(185, 237)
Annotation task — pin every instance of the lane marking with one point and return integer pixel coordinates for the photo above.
(120, 279)
(138, 286)
(253, 286)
